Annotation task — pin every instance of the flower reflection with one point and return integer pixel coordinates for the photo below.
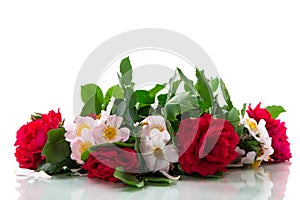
(267, 182)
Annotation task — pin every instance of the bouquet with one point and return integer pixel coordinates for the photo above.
(154, 136)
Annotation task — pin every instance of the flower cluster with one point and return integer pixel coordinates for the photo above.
(146, 136)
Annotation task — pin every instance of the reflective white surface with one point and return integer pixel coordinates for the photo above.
(268, 182)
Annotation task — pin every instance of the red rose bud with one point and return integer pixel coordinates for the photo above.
(206, 145)
(32, 137)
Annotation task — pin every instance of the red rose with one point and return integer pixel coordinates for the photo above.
(206, 145)
(32, 137)
(102, 163)
(276, 130)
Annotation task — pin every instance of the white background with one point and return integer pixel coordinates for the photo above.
(254, 44)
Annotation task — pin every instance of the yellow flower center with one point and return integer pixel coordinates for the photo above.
(161, 129)
(110, 133)
(84, 146)
(158, 153)
(252, 125)
(98, 116)
(80, 128)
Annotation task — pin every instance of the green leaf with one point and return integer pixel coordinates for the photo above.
(56, 168)
(204, 88)
(144, 111)
(92, 106)
(159, 180)
(126, 71)
(114, 91)
(156, 89)
(121, 108)
(233, 117)
(178, 104)
(162, 98)
(188, 83)
(275, 111)
(216, 175)
(226, 94)
(85, 155)
(173, 84)
(243, 110)
(89, 90)
(144, 97)
(250, 145)
(56, 148)
(214, 83)
(127, 178)
(119, 144)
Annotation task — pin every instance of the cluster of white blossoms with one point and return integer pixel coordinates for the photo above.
(87, 131)
(260, 133)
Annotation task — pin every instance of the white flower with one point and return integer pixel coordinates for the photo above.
(110, 131)
(267, 150)
(81, 144)
(75, 129)
(153, 144)
(155, 124)
(260, 133)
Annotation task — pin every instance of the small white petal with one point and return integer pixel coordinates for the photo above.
(161, 164)
(123, 133)
(150, 161)
(156, 139)
(240, 151)
(249, 159)
(146, 145)
(170, 154)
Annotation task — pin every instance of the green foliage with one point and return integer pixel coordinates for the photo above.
(92, 106)
(233, 117)
(157, 88)
(188, 83)
(226, 94)
(275, 111)
(126, 72)
(57, 148)
(214, 83)
(204, 89)
(58, 168)
(243, 110)
(127, 178)
(178, 104)
(144, 97)
(90, 90)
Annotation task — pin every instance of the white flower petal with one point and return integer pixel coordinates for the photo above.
(156, 138)
(75, 155)
(240, 151)
(150, 161)
(85, 120)
(249, 159)
(123, 133)
(155, 121)
(146, 145)
(70, 132)
(170, 153)
(165, 136)
(98, 134)
(86, 135)
(114, 121)
(161, 164)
